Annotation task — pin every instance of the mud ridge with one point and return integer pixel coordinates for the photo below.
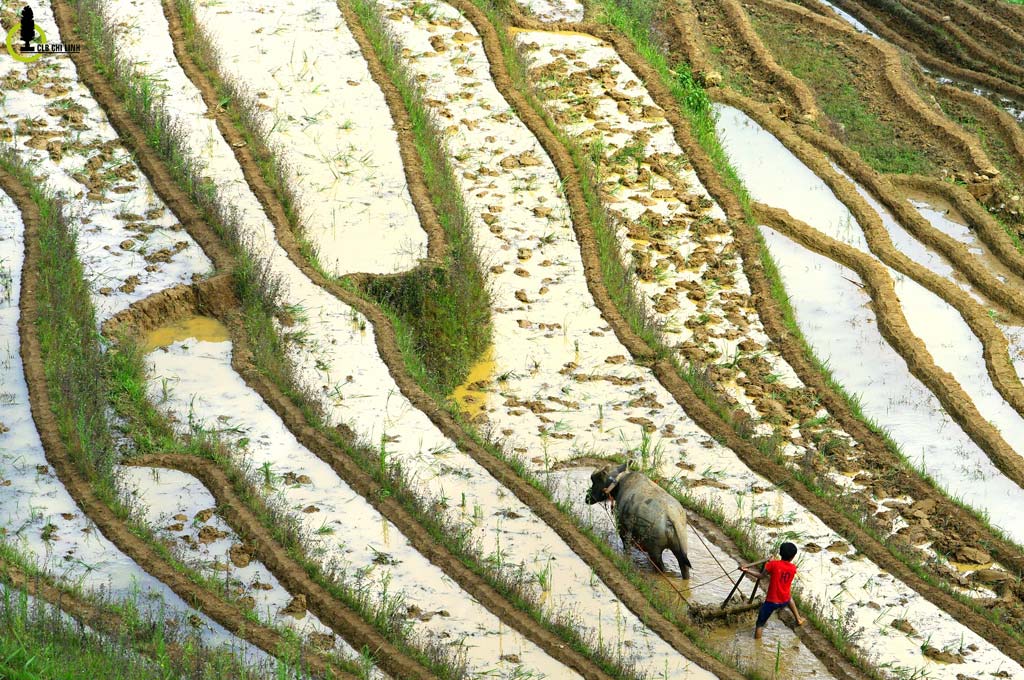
(995, 346)
(1008, 12)
(741, 26)
(999, 31)
(1008, 127)
(209, 295)
(986, 56)
(702, 415)
(984, 225)
(892, 69)
(686, 23)
(866, 16)
(232, 617)
(664, 370)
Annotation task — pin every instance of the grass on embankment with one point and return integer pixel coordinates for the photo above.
(833, 78)
(136, 641)
(441, 315)
(36, 642)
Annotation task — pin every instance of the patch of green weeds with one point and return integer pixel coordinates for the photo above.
(826, 71)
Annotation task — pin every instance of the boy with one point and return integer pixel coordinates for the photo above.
(781, 573)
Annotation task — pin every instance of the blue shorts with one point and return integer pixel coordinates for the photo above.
(766, 611)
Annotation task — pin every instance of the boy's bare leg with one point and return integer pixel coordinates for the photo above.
(757, 632)
(796, 614)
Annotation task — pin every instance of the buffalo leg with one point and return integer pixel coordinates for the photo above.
(684, 563)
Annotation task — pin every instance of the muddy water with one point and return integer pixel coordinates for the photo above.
(327, 121)
(129, 244)
(708, 585)
(202, 328)
(469, 395)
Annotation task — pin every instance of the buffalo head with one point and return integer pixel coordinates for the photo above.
(602, 481)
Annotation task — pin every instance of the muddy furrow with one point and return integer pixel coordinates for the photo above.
(347, 171)
(666, 373)
(230, 616)
(387, 346)
(862, 12)
(891, 322)
(740, 24)
(893, 77)
(500, 471)
(64, 599)
(954, 25)
(1008, 128)
(683, 257)
(997, 117)
(1010, 13)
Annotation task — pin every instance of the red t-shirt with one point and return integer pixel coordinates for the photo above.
(782, 574)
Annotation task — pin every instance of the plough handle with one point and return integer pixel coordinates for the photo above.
(736, 585)
(753, 592)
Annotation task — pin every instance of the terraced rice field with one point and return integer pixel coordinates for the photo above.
(317, 317)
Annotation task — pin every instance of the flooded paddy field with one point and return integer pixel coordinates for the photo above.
(769, 253)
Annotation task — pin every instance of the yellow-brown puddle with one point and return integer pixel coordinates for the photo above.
(471, 401)
(197, 327)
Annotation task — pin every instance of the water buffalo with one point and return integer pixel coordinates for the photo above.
(647, 515)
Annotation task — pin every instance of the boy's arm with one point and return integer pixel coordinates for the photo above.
(756, 573)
